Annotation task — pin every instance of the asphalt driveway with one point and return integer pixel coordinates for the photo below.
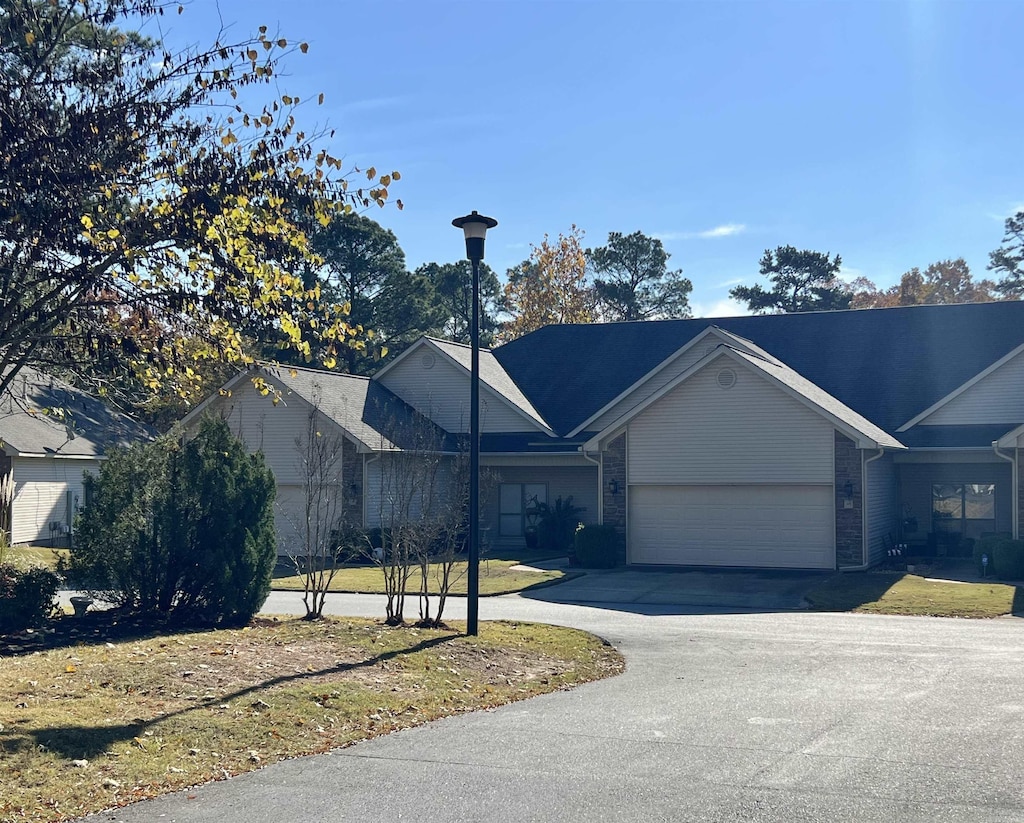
(789, 716)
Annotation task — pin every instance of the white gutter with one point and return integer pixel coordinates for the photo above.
(1015, 491)
(865, 553)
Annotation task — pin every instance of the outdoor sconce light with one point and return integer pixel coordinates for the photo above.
(613, 486)
(848, 495)
(353, 489)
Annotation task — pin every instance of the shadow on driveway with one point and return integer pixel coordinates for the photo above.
(656, 590)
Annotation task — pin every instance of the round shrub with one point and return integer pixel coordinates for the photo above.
(180, 530)
(1009, 559)
(26, 597)
(987, 546)
(597, 547)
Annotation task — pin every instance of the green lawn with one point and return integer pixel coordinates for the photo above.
(908, 594)
(24, 556)
(496, 577)
(95, 725)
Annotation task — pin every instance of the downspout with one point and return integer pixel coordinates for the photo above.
(600, 484)
(1014, 490)
(865, 552)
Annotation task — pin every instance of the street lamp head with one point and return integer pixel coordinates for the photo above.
(475, 227)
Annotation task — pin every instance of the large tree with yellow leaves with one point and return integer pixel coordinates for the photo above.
(148, 208)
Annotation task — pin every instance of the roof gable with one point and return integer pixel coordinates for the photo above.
(867, 434)
(684, 357)
(497, 386)
(885, 364)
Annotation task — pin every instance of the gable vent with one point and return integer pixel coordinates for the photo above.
(727, 378)
(428, 360)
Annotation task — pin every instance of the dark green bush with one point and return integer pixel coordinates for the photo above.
(181, 530)
(986, 545)
(597, 547)
(26, 597)
(1009, 559)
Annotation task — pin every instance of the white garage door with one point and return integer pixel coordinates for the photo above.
(755, 526)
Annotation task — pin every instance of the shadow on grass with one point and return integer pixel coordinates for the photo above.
(1018, 601)
(74, 742)
(848, 591)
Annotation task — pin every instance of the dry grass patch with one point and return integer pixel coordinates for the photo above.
(497, 576)
(89, 727)
(908, 594)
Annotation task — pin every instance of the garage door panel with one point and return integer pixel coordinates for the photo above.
(757, 526)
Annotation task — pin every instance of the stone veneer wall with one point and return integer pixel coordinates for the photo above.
(613, 466)
(849, 522)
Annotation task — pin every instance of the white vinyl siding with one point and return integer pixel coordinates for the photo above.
(749, 526)
(996, 398)
(290, 519)
(45, 489)
(394, 494)
(882, 507)
(578, 482)
(753, 432)
(442, 394)
(267, 428)
(669, 372)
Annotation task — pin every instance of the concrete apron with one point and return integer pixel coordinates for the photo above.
(768, 590)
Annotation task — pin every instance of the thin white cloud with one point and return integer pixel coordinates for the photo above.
(1010, 212)
(727, 307)
(848, 274)
(735, 281)
(724, 230)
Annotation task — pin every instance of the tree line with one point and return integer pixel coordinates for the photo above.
(165, 219)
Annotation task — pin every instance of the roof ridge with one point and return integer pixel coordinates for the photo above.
(286, 366)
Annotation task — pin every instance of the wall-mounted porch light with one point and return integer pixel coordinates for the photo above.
(613, 486)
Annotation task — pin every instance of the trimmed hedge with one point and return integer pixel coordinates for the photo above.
(26, 597)
(597, 547)
(987, 545)
(1009, 559)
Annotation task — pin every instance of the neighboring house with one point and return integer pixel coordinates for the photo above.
(51, 434)
(777, 441)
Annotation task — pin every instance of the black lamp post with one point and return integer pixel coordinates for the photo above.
(475, 227)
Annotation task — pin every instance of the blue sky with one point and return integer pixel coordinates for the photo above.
(887, 132)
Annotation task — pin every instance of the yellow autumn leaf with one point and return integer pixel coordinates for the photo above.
(330, 362)
(113, 234)
(87, 221)
(70, 668)
(30, 38)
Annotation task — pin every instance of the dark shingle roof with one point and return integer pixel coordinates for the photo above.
(40, 414)
(885, 364)
(368, 411)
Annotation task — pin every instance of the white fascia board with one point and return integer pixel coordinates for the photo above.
(725, 337)
(416, 346)
(1009, 440)
(863, 441)
(961, 389)
(198, 411)
(427, 341)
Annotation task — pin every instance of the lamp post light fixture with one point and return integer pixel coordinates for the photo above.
(475, 227)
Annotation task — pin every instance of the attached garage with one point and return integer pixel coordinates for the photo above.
(761, 526)
(727, 467)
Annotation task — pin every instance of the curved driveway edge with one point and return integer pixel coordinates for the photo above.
(719, 717)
